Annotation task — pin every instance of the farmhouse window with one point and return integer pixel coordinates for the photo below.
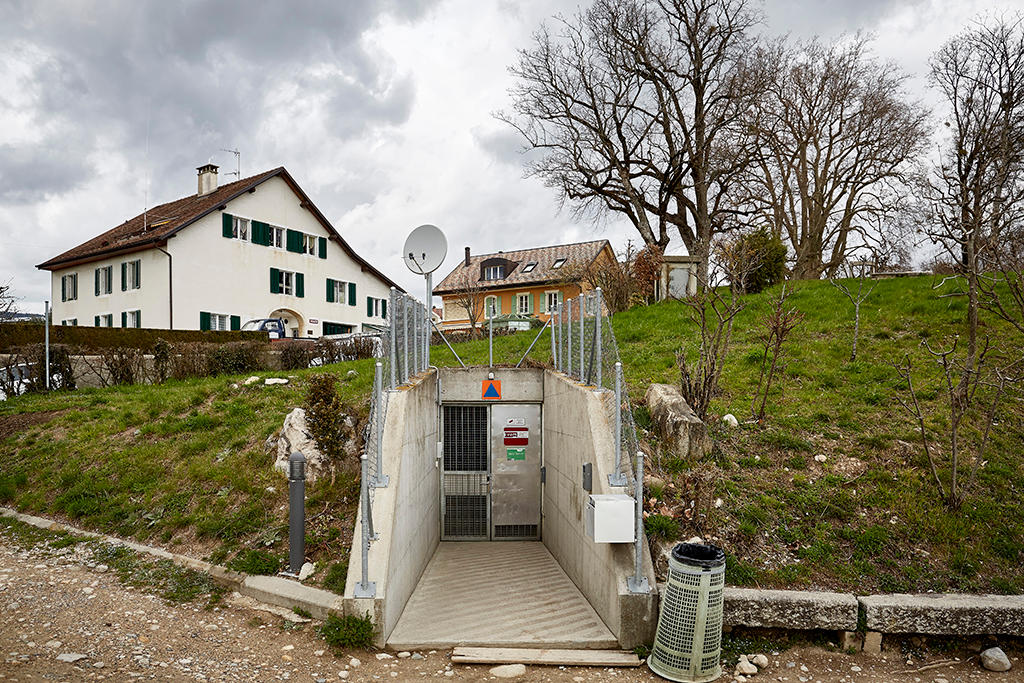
(524, 304)
(130, 275)
(104, 280)
(337, 291)
(558, 263)
(69, 287)
(276, 237)
(494, 272)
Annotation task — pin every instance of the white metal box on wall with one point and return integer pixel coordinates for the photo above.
(610, 518)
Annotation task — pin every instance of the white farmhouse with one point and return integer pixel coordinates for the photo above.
(255, 248)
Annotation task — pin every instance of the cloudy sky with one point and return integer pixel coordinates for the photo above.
(380, 109)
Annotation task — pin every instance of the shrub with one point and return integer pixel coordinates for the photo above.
(234, 358)
(295, 355)
(95, 338)
(29, 363)
(255, 562)
(326, 417)
(188, 360)
(161, 360)
(764, 257)
(348, 631)
(124, 365)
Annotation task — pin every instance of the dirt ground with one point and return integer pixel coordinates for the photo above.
(55, 608)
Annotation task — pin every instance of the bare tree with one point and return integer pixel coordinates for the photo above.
(973, 396)
(469, 295)
(625, 281)
(976, 193)
(855, 299)
(777, 325)
(833, 135)
(7, 302)
(700, 368)
(633, 106)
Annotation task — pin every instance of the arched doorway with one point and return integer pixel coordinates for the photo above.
(294, 324)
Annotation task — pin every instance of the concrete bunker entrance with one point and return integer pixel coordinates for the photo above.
(482, 529)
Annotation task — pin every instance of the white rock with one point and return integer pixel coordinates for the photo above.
(760, 661)
(275, 380)
(343, 675)
(855, 669)
(508, 671)
(295, 436)
(696, 540)
(994, 659)
(351, 373)
(730, 420)
(354, 662)
(745, 667)
(251, 380)
(804, 668)
(70, 657)
(384, 655)
(318, 653)
(820, 458)
(940, 679)
(403, 655)
(53, 644)
(719, 502)
(286, 648)
(306, 571)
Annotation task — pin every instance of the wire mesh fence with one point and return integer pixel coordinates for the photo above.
(583, 346)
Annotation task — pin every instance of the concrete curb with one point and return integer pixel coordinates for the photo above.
(271, 590)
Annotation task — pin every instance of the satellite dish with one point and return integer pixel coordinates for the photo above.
(425, 249)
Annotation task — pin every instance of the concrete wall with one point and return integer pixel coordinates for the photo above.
(406, 513)
(464, 385)
(578, 428)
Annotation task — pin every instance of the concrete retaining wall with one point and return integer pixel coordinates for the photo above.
(405, 514)
(518, 385)
(577, 429)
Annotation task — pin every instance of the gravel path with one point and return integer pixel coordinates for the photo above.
(64, 620)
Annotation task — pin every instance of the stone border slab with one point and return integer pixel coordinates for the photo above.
(272, 590)
(813, 610)
(945, 614)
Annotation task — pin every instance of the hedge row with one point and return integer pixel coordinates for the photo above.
(23, 334)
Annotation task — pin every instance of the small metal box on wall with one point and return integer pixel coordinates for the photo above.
(609, 518)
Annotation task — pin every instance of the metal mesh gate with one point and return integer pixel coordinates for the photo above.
(464, 478)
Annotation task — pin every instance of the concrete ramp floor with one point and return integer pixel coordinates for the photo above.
(502, 594)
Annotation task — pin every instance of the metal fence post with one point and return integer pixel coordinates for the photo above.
(380, 480)
(405, 339)
(365, 588)
(554, 357)
(429, 311)
(46, 334)
(638, 583)
(490, 339)
(583, 315)
(296, 512)
(597, 335)
(568, 345)
(393, 332)
(415, 338)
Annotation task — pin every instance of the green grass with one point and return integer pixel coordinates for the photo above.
(347, 632)
(184, 463)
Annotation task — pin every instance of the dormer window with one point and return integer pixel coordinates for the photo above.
(528, 268)
(558, 263)
(494, 272)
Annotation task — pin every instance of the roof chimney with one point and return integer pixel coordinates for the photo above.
(207, 179)
(467, 257)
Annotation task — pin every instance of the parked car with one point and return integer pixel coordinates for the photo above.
(272, 326)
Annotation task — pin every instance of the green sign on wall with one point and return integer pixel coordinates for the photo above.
(515, 454)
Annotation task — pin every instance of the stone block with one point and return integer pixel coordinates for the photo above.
(850, 640)
(675, 421)
(945, 614)
(810, 610)
(872, 643)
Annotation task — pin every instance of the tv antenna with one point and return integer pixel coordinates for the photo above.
(423, 253)
(238, 163)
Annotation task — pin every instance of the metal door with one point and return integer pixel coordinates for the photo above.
(465, 477)
(515, 471)
(490, 473)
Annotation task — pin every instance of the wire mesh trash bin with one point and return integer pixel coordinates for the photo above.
(688, 642)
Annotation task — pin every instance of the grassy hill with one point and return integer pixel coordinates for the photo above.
(184, 464)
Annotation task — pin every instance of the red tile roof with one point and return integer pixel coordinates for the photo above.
(156, 225)
(575, 255)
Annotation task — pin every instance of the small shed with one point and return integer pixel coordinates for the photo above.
(677, 279)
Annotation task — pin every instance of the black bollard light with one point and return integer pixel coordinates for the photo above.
(296, 512)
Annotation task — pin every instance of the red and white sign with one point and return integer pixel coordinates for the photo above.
(517, 436)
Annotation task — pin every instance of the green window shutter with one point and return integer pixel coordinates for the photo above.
(497, 305)
(236, 323)
(383, 308)
(138, 318)
(124, 275)
(275, 278)
(138, 274)
(63, 288)
(351, 294)
(530, 305)
(293, 241)
(300, 285)
(97, 273)
(204, 320)
(261, 233)
(559, 298)
(322, 244)
(124, 318)
(227, 224)
(96, 321)
(369, 307)
(330, 291)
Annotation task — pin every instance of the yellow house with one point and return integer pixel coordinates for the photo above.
(528, 282)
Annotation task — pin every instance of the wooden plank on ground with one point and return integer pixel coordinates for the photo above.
(523, 655)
